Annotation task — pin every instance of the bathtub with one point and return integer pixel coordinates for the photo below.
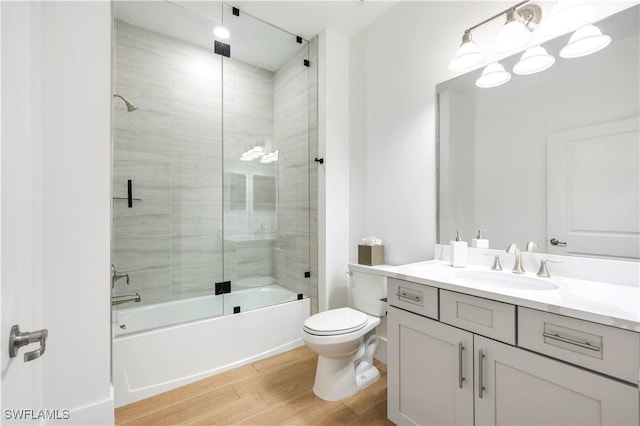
(170, 355)
(136, 319)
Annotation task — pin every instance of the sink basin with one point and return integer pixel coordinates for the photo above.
(505, 280)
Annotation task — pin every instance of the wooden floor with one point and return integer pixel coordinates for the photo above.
(273, 391)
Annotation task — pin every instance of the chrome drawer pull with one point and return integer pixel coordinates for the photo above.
(585, 345)
(409, 296)
(481, 387)
(460, 377)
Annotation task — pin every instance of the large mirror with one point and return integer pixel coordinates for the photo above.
(549, 156)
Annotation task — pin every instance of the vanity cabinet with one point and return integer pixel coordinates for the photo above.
(521, 387)
(430, 371)
(440, 374)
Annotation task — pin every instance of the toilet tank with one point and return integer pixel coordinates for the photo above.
(365, 292)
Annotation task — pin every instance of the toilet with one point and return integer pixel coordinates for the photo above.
(345, 339)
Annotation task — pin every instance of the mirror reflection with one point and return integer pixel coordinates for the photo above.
(549, 156)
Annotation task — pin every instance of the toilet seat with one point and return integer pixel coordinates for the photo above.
(335, 322)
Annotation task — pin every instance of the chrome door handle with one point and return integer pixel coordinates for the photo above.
(460, 377)
(555, 242)
(18, 339)
(481, 387)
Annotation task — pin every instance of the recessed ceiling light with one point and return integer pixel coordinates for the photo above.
(221, 32)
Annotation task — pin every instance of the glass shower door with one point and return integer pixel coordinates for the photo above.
(266, 163)
(167, 163)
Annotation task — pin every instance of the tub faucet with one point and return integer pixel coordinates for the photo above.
(115, 276)
(125, 298)
(517, 266)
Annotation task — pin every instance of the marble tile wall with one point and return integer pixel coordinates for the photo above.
(292, 128)
(171, 243)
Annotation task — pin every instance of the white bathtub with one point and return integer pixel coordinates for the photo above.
(135, 319)
(146, 363)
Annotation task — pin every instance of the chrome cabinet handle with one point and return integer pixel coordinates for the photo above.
(585, 345)
(555, 242)
(460, 377)
(481, 387)
(409, 296)
(17, 339)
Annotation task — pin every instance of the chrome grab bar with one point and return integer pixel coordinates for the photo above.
(409, 296)
(585, 345)
(481, 387)
(460, 378)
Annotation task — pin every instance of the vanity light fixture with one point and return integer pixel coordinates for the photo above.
(533, 60)
(522, 19)
(567, 15)
(585, 41)
(513, 35)
(468, 55)
(493, 75)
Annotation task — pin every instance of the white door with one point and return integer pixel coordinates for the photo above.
(593, 190)
(54, 199)
(21, 236)
(430, 371)
(522, 388)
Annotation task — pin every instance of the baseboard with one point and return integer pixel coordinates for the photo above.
(99, 413)
(381, 351)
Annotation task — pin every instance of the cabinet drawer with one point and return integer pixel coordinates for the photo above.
(489, 318)
(419, 298)
(609, 350)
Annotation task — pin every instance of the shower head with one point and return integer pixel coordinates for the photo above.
(130, 106)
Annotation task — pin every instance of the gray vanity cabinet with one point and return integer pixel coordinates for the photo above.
(441, 374)
(521, 387)
(430, 371)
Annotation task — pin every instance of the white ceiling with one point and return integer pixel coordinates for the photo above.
(302, 17)
(251, 40)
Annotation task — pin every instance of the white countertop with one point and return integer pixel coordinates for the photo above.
(609, 304)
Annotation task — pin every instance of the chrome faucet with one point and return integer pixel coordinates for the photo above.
(125, 298)
(115, 276)
(517, 266)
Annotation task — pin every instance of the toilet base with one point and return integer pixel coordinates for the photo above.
(336, 379)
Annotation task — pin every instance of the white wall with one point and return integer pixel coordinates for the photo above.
(65, 106)
(395, 64)
(333, 175)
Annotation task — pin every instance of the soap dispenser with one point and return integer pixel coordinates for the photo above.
(458, 252)
(480, 241)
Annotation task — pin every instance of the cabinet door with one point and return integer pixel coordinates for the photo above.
(524, 388)
(430, 376)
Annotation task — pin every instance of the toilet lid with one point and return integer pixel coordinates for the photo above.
(335, 321)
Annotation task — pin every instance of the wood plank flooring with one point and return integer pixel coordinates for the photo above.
(273, 391)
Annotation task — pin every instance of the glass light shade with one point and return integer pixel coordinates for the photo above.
(585, 41)
(533, 60)
(467, 57)
(221, 32)
(567, 15)
(493, 75)
(513, 36)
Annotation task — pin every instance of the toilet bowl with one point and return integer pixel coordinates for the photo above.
(345, 340)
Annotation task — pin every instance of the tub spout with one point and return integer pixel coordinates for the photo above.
(125, 298)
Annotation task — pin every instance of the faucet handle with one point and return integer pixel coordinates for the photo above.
(543, 271)
(496, 261)
(531, 245)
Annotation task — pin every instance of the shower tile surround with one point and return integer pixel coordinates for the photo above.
(171, 243)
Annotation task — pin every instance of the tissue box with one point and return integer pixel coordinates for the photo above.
(371, 255)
